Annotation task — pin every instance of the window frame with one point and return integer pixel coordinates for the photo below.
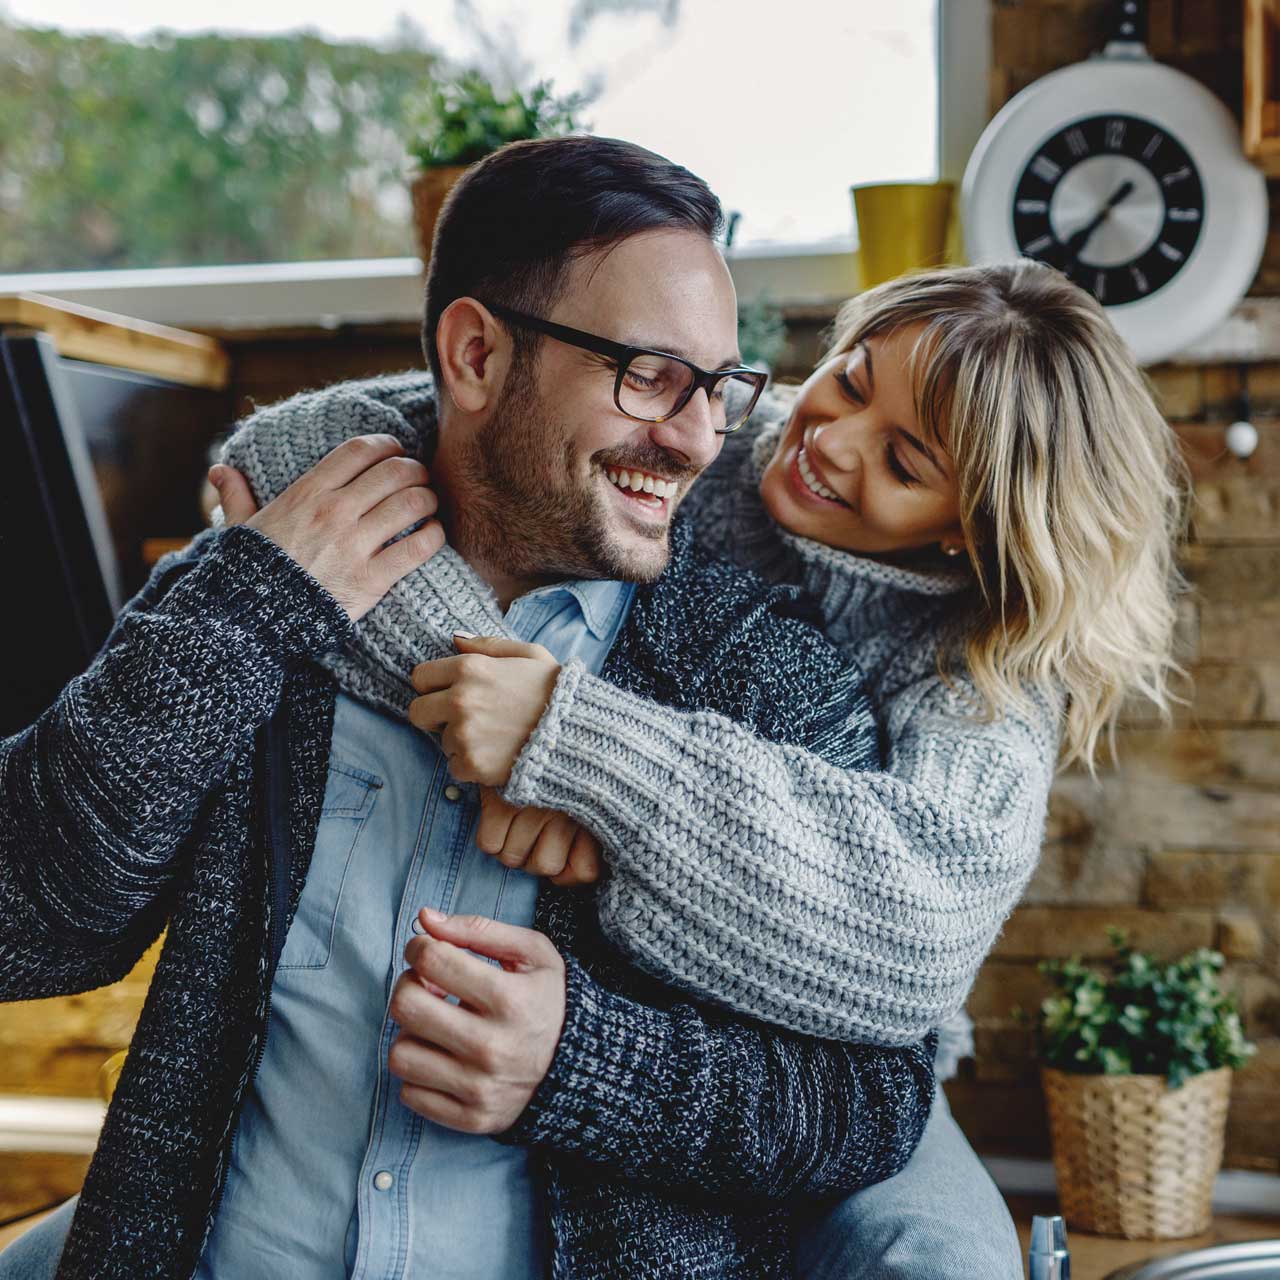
(333, 293)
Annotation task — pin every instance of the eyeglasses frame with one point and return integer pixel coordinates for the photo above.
(623, 354)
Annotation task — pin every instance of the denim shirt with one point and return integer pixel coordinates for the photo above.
(330, 1174)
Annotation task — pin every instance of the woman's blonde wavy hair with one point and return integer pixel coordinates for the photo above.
(1073, 492)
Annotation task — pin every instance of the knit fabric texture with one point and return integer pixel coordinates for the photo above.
(840, 903)
(416, 620)
(676, 1140)
(851, 904)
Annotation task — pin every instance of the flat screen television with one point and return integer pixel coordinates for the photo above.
(57, 563)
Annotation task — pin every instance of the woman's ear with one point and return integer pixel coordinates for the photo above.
(474, 352)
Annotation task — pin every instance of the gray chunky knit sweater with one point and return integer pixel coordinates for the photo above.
(845, 904)
(848, 904)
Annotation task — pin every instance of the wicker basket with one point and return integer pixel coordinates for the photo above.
(429, 189)
(1133, 1157)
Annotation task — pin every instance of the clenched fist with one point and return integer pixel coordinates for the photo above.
(484, 703)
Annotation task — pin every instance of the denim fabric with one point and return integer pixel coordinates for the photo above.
(34, 1254)
(941, 1218)
(331, 1175)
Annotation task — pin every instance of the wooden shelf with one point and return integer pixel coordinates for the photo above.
(84, 333)
(1262, 84)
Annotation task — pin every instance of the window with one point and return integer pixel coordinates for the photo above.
(134, 149)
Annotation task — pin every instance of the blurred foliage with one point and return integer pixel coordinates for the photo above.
(762, 332)
(464, 119)
(1140, 1017)
(585, 12)
(202, 149)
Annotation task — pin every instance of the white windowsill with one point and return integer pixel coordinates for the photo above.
(276, 295)
(371, 291)
(64, 1125)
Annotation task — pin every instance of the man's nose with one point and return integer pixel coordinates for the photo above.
(690, 434)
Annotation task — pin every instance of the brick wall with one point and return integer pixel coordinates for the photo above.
(1180, 843)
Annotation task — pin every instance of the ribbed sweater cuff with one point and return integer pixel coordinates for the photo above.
(593, 1101)
(529, 773)
(248, 581)
(597, 746)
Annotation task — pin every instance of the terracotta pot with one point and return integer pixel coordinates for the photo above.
(1133, 1157)
(429, 190)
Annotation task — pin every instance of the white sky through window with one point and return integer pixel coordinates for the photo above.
(779, 104)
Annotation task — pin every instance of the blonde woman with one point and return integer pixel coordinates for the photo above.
(979, 493)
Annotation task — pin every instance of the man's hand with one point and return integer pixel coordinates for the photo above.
(539, 841)
(484, 703)
(336, 520)
(474, 1066)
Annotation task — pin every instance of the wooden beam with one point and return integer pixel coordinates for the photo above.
(1261, 140)
(83, 333)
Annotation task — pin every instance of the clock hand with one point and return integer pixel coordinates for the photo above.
(1075, 244)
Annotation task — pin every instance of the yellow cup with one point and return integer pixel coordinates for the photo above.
(902, 226)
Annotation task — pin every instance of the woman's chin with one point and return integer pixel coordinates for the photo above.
(794, 516)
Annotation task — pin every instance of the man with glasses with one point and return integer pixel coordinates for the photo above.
(296, 1102)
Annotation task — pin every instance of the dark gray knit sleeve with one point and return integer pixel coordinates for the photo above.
(98, 795)
(703, 1105)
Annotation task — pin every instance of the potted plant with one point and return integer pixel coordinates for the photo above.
(1136, 1066)
(462, 121)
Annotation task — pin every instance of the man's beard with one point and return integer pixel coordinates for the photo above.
(525, 509)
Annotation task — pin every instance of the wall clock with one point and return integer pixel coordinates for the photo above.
(1129, 177)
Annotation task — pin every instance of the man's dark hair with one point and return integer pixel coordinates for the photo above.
(518, 219)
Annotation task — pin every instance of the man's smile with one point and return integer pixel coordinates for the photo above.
(643, 495)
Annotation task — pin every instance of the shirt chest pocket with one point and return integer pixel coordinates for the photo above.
(349, 796)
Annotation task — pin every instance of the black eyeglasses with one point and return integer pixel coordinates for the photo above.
(652, 386)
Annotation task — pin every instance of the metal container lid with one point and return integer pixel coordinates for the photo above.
(1250, 1260)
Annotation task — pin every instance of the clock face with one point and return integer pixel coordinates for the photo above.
(1114, 201)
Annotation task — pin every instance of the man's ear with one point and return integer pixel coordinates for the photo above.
(474, 351)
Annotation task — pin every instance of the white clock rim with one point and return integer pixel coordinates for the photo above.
(1228, 251)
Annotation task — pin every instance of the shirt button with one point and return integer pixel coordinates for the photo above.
(383, 1180)
(452, 792)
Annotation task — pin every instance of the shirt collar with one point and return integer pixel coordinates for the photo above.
(601, 601)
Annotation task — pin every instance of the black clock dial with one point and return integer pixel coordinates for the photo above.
(1114, 201)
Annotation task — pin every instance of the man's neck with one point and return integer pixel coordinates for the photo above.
(506, 585)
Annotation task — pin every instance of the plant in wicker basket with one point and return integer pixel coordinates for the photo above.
(462, 121)
(1137, 1065)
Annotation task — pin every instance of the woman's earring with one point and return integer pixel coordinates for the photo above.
(951, 551)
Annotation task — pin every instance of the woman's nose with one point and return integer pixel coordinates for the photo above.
(836, 444)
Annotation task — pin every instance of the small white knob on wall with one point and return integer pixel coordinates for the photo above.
(1242, 438)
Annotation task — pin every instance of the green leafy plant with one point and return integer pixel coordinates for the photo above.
(1140, 1016)
(762, 332)
(463, 120)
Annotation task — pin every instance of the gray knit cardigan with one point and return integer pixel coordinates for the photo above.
(850, 904)
(180, 779)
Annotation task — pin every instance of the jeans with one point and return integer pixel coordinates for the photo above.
(34, 1254)
(941, 1218)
